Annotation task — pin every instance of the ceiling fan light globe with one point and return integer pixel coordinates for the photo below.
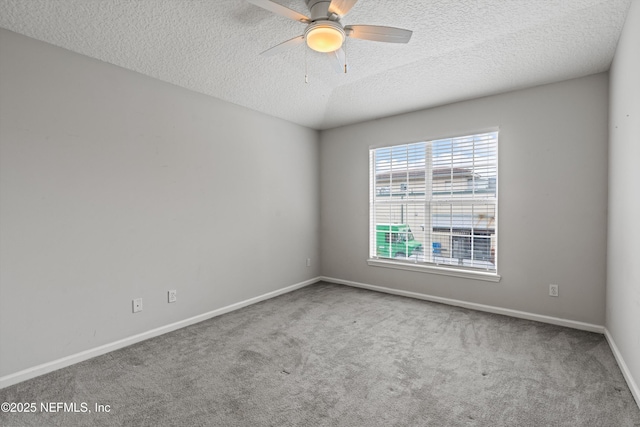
(325, 39)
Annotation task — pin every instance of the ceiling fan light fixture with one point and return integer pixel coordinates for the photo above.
(324, 36)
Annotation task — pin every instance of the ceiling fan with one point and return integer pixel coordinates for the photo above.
(325, 33)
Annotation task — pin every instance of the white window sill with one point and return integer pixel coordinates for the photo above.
(435, 269)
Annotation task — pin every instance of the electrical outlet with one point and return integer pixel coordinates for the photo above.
(308, 262)
(137, 305)
(172, 296)
(553, 290)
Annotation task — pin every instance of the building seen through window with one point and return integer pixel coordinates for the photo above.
(436, 201)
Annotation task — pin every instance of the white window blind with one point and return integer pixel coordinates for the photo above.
(436, 202)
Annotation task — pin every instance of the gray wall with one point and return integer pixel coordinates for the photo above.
(623, 267)
(115, 186)
(552, 207)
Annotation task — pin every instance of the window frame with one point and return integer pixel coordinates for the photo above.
(430, 266)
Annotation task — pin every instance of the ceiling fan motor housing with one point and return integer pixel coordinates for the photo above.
(319, 9)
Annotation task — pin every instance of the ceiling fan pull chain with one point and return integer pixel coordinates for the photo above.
(345, 57)
(306, 75)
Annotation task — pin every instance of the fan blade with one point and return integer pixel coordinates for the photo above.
(280, 10)
(284, 46)
(337, 59)
(341, 7)
(378, 33)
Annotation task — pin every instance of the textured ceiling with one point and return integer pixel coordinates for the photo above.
(460, 49)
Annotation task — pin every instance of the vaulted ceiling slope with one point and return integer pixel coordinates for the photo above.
(460, 49)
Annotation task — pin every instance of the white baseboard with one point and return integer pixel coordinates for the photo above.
(45, 368)
(480, 307)
(635, 390)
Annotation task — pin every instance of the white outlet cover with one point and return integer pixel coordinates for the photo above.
(172, 295)
(137, 305)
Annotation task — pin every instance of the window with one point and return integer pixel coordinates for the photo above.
(440, 198)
